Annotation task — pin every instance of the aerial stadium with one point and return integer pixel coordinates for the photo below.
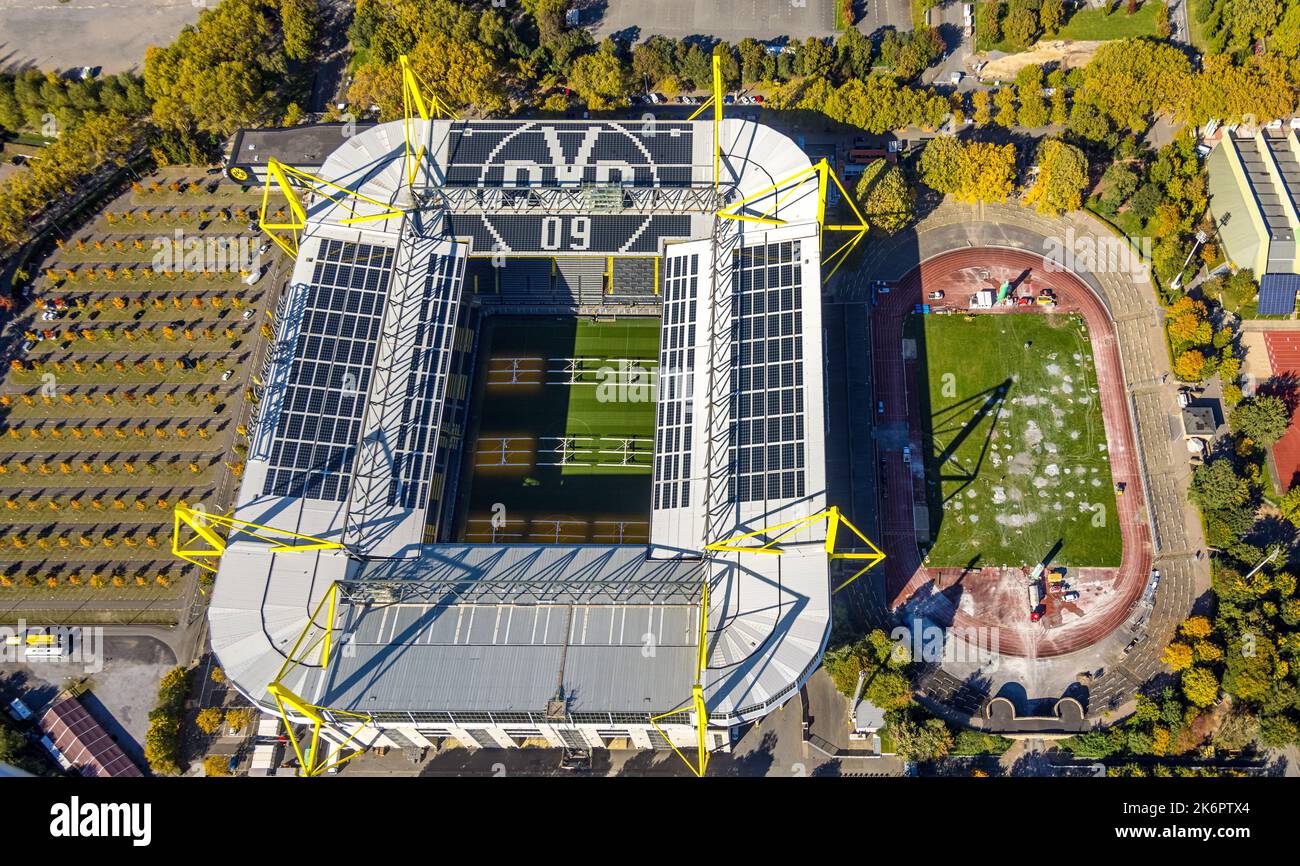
(539, 454)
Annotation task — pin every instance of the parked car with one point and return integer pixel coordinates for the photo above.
(225, 377)
(907, 453)
(248, 314)
(1072, 595)
(880, 407)
(936, 295)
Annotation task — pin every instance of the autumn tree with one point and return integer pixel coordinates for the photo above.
(1062, 176)
(921, 741)
(599, 80)
(208, 720)
(1200, 686)
(968, 170)
(217, 75)
(885, 197)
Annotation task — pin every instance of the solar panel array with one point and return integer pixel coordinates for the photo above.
(586, 234)
(426, 383)
(329, 372)
(675, 423)
(767, 402)
(650, 153)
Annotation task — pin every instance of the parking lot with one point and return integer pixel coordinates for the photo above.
(111, 35)
(731, 20)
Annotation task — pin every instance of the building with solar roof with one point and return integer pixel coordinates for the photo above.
(497, 629)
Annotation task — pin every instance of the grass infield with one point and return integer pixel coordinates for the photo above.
(1015, 454)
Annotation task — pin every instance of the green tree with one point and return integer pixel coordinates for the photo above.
(925, 741)
(1290, 505)
(1051, 15)
(599, 81)
(298, 18)
(1029, 91)
(217, 75)
(1262, 418)
(1020, 26)
(1216, 484)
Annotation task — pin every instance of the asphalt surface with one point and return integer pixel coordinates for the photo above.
(109, 36)
(732, 20)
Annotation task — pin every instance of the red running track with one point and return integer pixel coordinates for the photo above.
(958, 274)
(1284, 358)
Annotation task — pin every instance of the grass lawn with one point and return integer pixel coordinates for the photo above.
(1094, 24)
(1015, 450)
(610, 405)
(590, 411)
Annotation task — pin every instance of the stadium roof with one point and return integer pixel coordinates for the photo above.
(340, 450)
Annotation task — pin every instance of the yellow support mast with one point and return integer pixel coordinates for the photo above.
(418, 100)
(204, 529)
(833, 519)
(781, 192)
(716, 102)
(287, 180)
(318, 716)
(697, 697)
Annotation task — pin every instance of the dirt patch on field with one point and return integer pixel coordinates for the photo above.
(1067, 54)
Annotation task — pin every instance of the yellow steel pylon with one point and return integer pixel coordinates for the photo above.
(414, 103)
(833, 519)
(715, 101)
(204, 529)
(285, 178)
(286, 699)
(782, 190)
(697, 698)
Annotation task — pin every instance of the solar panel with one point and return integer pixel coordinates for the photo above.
(767, 435)
(674, 425)
(1277, 294)
(337, 322)
(426, 382)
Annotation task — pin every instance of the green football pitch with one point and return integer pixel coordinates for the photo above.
(1016, 457)
(565, 419)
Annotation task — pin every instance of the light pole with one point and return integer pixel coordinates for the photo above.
(1201, 237)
